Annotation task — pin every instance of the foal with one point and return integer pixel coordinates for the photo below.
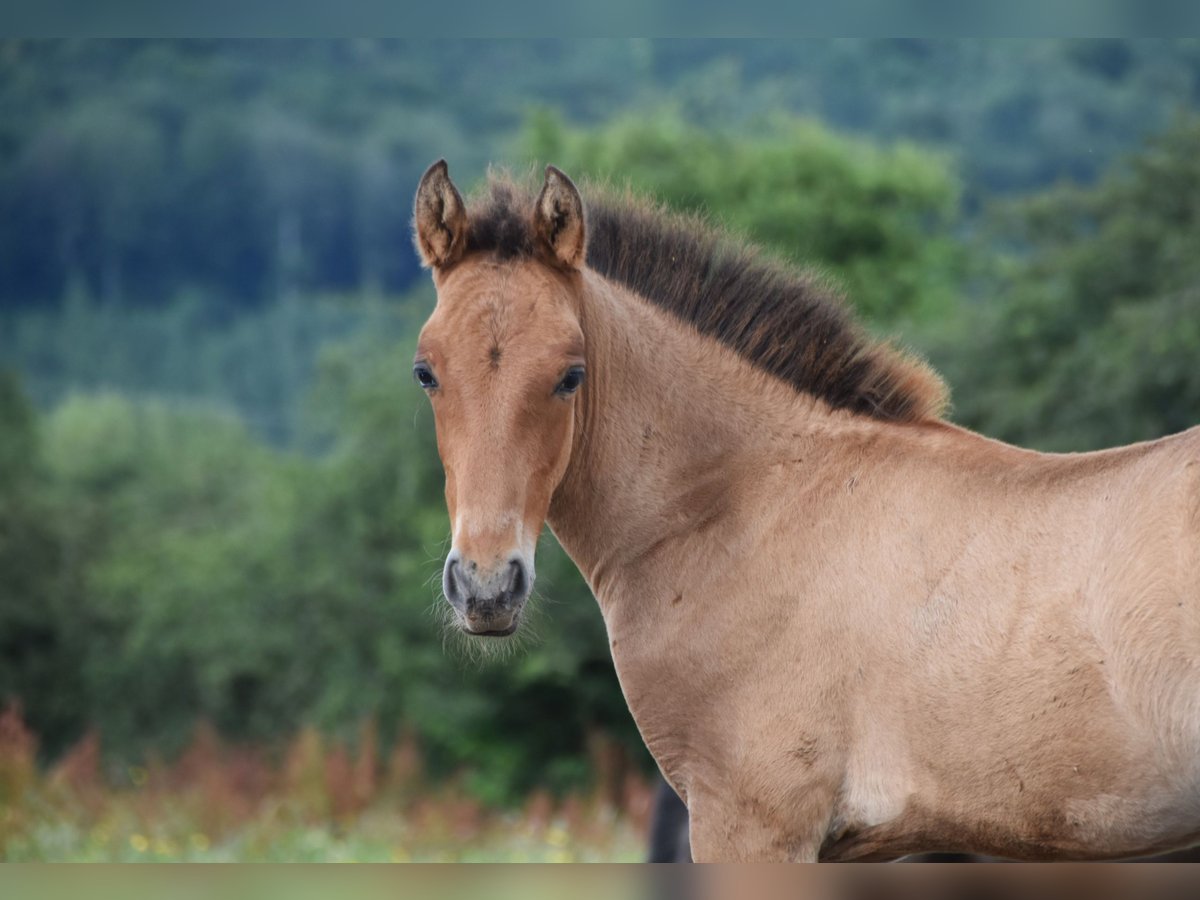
(846, 628)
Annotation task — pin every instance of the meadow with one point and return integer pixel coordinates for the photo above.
(313, 800)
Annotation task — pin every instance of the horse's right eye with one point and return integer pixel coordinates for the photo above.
(423, 375)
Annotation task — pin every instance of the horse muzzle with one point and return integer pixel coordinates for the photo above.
(487, 601)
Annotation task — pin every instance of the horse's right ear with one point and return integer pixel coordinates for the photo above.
(439, 218)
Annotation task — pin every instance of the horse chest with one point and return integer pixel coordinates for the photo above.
(873, 798)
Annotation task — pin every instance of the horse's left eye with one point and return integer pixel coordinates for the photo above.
(423, 375)
(570, 382)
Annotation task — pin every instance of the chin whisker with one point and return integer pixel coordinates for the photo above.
(483, 650)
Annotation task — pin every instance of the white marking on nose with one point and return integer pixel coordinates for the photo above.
(473, 523)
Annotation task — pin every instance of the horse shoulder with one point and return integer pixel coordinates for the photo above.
(1191, 468)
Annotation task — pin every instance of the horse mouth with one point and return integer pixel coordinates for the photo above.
(503, 632)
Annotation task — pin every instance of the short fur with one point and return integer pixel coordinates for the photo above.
(788, 323)
(841, 636)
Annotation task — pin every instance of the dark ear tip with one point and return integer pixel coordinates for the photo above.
(438, 168)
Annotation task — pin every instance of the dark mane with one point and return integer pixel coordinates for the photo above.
(786, 322)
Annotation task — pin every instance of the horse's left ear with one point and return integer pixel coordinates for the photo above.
(558, 220)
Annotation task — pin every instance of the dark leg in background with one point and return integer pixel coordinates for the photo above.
(669, 828)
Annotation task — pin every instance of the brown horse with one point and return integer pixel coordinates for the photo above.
(846, 628)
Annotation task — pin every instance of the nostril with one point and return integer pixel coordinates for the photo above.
(452, 580)
(517, 581)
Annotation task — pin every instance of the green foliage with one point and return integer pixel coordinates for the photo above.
(169, 520)
(246, 170)
(19, 436)
(36, 644)
(877, 218)
(1091, 334)
(259, 364)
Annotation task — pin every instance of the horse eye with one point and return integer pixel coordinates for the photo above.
(570, 382)
(423, 375)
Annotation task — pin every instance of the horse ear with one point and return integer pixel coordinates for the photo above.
(558, 220)
(439, 218)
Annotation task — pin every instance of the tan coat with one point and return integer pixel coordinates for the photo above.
(841, 636)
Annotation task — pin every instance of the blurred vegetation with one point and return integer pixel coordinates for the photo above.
(1090, 333)
(319, 800)
(220, 499)
(247, 169)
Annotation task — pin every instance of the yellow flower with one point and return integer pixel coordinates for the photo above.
(199, 842)
(557, 837)
(400, 855)
(139, 842)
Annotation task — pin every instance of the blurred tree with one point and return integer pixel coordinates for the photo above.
(147, 168)
(1092, 330)
(38, 643)
(99, 174)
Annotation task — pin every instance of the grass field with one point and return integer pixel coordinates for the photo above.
(316, 803)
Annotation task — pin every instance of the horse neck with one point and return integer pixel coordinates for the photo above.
(667, 423)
